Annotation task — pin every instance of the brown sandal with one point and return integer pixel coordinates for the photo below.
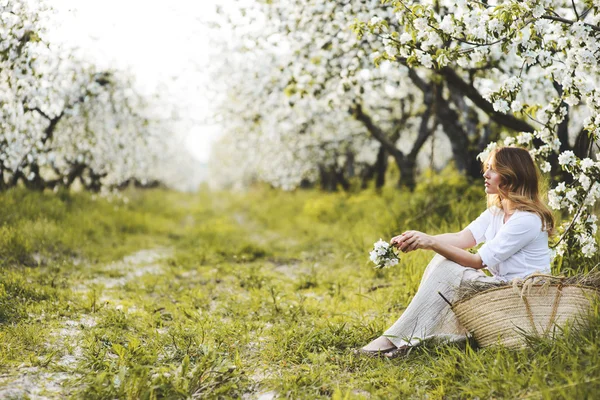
(373, 353)
(401, 351)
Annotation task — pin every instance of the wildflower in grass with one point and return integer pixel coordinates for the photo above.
(383, 255)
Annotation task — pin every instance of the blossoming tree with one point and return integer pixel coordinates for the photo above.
(320, 83)
(532, 67)
(62, 120)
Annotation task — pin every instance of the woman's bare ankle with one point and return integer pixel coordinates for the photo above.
(380, 344)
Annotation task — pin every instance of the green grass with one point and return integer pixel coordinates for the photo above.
(217, 295)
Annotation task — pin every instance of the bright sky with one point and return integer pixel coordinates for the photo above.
(163, 43)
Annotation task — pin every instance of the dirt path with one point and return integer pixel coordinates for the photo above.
(37, 382)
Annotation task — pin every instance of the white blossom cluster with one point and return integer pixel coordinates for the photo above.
(289, 84)
(62, 119)
(536, 60)
(383, 255)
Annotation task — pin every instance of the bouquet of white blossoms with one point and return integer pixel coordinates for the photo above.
(384, 255)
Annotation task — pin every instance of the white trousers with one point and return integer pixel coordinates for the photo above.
(428, 316)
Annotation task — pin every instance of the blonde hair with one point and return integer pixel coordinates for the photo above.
(519, 183)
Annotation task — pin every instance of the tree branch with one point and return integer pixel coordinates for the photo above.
(596, 28)
(43, 114)
(424, 131)
(357, 112)
(506, 120)
(563, 127)
(575, 9)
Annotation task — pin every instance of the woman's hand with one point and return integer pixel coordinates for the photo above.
(413, 240)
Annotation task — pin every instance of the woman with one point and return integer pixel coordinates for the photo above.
(515, 230)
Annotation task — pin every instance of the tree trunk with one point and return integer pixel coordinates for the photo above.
(326, 180)
(95, 181)
(407, 165)
(306, 184)
(583, 144)
(341, 179)
(349, 168)
(459, 141)
(37, 183)
(380, 167)
(366, 176)
(75, 172)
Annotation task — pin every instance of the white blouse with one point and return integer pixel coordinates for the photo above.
(513, 249)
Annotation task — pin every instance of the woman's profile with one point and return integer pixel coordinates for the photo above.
(514, 229)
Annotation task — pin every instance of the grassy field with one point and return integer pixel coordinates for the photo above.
(256, 295)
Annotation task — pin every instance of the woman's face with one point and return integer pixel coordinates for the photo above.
(492, 179)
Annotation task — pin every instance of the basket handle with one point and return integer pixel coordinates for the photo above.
(528, 282)
(540, 275)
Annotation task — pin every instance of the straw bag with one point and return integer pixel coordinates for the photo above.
(505, 315)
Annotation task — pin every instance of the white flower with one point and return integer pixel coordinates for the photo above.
(587, 57)
(529, 57)
(587, 163)
(392, 51)
(509, 141)
(405, 38)
(572, 100)
(554, 200)
(591, 221)
(545, 167)
(541, 26)
(426, 60)
(544, 57)
(442, 60)
(447, 26)
(420, 24)
(553, 254)
(516, 106)
(433, 40)
(495, 25)
(589, 250)
(383, 255)
(567, 82)
(375, 20)
(486, 152)
(538, 11)
(501, 105)
(566, 158)
(571, 194)
(381, 244)
(373, 256)
(556, 144)
(594, 194)
(585, 181)
(391, 262)
(512, 84)
(524, 138)
(562, 43)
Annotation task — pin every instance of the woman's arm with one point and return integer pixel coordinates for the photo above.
(444, 245)
(457, 255)
(463, 239)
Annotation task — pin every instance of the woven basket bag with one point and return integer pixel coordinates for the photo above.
(505, 316)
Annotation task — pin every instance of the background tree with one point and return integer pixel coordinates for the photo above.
(63, 120)
(317, 65)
